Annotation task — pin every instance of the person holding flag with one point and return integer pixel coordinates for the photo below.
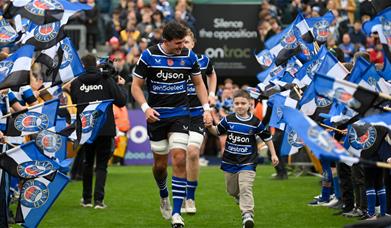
(91, 87)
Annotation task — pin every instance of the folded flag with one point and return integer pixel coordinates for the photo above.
(353, 95)
(15, 70)
(291, 142)
(43, 11)
(322, 144)
(27, 162)
(34, 119)
(36, 198)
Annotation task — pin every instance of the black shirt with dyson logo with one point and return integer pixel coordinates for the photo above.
(241, 152)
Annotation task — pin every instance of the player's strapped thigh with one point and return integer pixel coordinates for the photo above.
(195, 139)
(178, 140)
(160, 147)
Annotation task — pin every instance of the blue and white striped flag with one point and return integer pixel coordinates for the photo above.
(291, 142)
(331, 67)
(381, 24)
(277, 102)
(383, 119)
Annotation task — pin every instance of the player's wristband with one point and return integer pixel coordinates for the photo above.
(212, 94)
(144, 107)
(206, 107)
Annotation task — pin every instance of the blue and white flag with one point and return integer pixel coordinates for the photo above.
(291, 142)
(27, 162)
(65, 53)
(360, 137)
(339, 113)
(322, 144)
(36, 197)
(43, 11)
(287, 47)
(360, 66)
(320, 26)
(372, 80)
(277, 102)
(383, 119)
(386, 68)
(382, 25)
(310, 101)
(265, 76)
(34, 120)
(331, 67)
(52, 144)
(264, 58)
(353, 95)
(286, 79)
(15, 70)
(89, 122)
(8, 35)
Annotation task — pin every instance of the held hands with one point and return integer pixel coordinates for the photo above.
(208, 121)
(275, 160)
(151, 115)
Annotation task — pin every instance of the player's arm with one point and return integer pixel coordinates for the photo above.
(212, 84)
(138, 95)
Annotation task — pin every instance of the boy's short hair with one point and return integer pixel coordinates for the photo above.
(174, 30)
(241, 93)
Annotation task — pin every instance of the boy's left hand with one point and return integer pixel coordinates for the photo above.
(275, 160)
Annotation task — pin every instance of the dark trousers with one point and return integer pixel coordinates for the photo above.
(373, 178)
(358, 179)
(102, 150)
(387, 182)
(345, 178)
(277, 141)
(3, 199)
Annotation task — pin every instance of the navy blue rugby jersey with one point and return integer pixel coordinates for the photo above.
(241, 145)
(166, 77)
(207, 69)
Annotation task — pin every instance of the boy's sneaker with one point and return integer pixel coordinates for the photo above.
(165, 208)
(248, 221)
(183, 207)
(177, 221)
(100, 205)
(316, 203)
(356, 212)
(190, 206)
(366, 216)
(85, 203)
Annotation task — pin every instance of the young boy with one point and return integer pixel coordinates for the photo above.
(240, 155)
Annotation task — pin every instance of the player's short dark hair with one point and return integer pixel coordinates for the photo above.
(242, 93)
(174, 30)
(89, 60)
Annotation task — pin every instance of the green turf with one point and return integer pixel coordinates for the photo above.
(133, 201)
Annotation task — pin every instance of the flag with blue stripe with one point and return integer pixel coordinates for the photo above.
(387, 67)
(277, 102)
(8, 35)
(360, 66)
(381, 24)
(322, 144)
(27, 162)
(382, 119)
(310, 101)
(15, 70)
(353, 95)
(34, 120)
(320, 26)
(291, 142)
(265, 76)
(264, 58)
(287, 47)
(331, 67)
(36, 197)
(52, 144)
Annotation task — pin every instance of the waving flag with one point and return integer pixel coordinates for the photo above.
(372, 80)
(277, 102)
(382, 25)
(331, 67)
(265, 76)
(51, 143)
(360, 66)
(291, 142)
(27, 162)
(65, 53)
(360, 137)
(387, 67)
(310, 102)
(320, 26)
(353, 95)
(264, 58)
(383, 119)
(44, 36)
(287, 47)
(43, 11)
(322, 144)
(15, 70)
(339, 113)
(8, 35)
(36, 197)
(33, 120)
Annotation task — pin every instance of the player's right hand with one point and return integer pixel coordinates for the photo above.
(152, 115)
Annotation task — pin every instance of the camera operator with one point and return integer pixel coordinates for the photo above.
(97, 84)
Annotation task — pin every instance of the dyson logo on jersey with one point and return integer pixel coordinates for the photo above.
(90, 88)
(169, 75)
(236, 139)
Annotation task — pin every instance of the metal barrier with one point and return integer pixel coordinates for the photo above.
(78, 35)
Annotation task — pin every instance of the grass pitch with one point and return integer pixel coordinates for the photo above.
(133, 201)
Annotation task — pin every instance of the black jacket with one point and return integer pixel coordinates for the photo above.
(93, 86)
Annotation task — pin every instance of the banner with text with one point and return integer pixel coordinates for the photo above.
(227, 33)
(138, 151)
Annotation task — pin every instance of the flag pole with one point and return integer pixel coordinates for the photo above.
(23, 110)
(84, 103)
(297, 91)
(333, 128)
